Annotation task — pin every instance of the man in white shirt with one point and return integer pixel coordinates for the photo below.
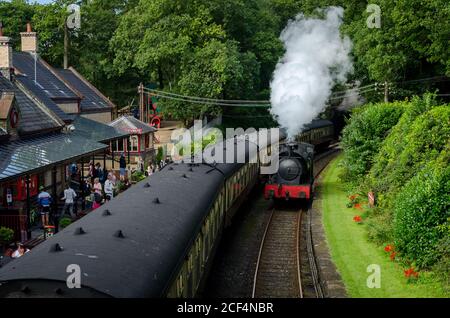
(69, 196)
(109, 188)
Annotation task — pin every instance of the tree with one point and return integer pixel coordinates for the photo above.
(14, 16)
(409, 45)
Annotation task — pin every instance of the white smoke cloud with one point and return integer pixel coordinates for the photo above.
(316, 58)
(352, 97)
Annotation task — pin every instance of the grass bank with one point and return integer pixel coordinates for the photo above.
(352, 252)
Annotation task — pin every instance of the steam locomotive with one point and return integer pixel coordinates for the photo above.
(295, 178)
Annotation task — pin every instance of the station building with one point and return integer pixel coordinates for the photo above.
(49, 119)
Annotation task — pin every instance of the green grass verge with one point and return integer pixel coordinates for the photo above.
(352, 252)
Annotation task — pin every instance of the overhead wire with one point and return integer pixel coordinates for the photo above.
(266, 103)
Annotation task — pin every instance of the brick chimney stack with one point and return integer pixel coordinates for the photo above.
(5, 55)
(29, 40)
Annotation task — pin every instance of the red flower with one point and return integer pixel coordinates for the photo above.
(358, 206)
(357, 219)
(392, 256)
(410, 272)
(389, 248)
(352, 197)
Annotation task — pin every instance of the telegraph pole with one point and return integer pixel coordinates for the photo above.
(141, 101)
(386, 92)
(66, 47)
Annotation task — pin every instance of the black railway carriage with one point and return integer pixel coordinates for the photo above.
(319, 132)
(154, 240)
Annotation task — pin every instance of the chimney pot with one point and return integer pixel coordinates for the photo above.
(29, 27)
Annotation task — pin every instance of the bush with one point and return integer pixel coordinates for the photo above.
(159, 155)
(380, 227)
(120, 186)
(421, 208)
(443, 265)
(138, 176)
(6, 235)
(65, 222)
(361, 138)
(411, 143)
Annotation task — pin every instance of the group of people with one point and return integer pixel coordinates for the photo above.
(99, 191)
(99, 187)
(45, 202)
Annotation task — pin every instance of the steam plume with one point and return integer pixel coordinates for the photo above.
(316, 58)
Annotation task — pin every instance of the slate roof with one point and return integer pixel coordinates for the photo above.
(131, 124)
(96, 131)
(47, 81)
(32, 118)
(27, 156)
(92, 98)
(29, 84)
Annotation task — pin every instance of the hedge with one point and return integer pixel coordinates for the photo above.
(401, 152)
(362, 136)
(407, 150)
(421, 209)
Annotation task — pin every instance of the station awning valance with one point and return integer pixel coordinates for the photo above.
(28, 156)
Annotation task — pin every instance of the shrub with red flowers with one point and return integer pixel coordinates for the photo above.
(411, 274)
(354, 199)
(391, 250)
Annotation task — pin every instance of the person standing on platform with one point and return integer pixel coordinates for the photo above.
(69, 197)
(140, 166)
(123, 167)
(97, 186)
(44, 201)
(109, 188)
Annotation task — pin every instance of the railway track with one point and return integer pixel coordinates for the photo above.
(286, 266)
(278, 266)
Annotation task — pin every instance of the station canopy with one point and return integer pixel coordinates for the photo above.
(96, 131)
(129, 124)
(32, 155)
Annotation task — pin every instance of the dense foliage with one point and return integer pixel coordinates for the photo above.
(65, 222)
(421, 208)
(403, 156)
(363, 136)
(228, 49)
(6, 235)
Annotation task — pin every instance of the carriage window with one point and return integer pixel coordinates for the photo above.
(180, 285)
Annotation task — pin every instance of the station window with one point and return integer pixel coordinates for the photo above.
(134, 143)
